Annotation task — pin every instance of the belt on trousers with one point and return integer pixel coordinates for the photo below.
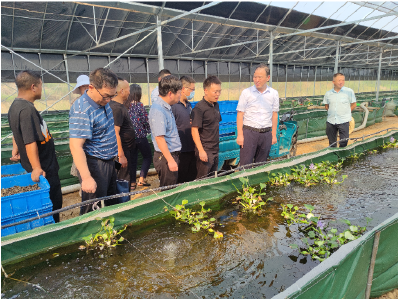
(172, 153)
(261, 130)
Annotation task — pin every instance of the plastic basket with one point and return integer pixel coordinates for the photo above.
(228, 145)
(14, 205)
(14, 169)
(28, 225)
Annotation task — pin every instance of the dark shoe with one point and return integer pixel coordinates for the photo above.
(144, 184)
(133, 186)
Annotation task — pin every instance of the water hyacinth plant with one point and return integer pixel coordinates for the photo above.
(249, 198)
(198, 219)
(319, 240)
(106, 237)
(393, 143)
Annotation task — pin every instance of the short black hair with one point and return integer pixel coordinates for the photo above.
(265, 67)
(101, 77)
(163, 73)
(187, 80)
(338, 74)
(135, 93)
(212, 79)
(168, 84)
(25, 79)
(120, 78)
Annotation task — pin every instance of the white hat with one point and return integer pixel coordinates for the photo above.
(81, 80)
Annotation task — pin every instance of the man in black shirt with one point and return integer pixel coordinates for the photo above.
(205, 127)
(187, 160)
(124, 130)
(32, 141)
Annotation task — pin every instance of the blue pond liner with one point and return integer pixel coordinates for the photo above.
(14, 169)
(25, 205)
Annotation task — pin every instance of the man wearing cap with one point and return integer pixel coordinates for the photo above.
(339, 102)
(257, 118)
(92, 138)
(82, 84)
(164, 133)
(161, 75)
(187, 159)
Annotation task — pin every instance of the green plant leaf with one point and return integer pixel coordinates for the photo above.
(333, 230)
(263, 186)
(202, 203)
(319, 243)
(294, 246)
(289, 205)
(185, 202)
(349, 236)
(346, 222)
(309, 207)
(212, 220)
(311, 234)
(354, 228)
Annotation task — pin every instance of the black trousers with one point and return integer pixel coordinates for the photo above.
(205, 168)
(332, 130)
(103, 172)
(124, 173)
(187, 169)
(256, 146)
(55, 192)
(164, 174)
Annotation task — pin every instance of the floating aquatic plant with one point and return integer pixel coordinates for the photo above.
(249, 198)
(319, 240)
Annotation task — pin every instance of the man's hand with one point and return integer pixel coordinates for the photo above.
(89, 185)
(203, 156)
(36, 173)
(240, 140)
(172, 165)
(123, 161)
(274, 139)
(15, 156)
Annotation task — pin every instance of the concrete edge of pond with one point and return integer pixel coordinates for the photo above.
(318, 274)
(22, 245)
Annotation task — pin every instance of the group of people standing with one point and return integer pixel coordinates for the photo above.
(108, 126)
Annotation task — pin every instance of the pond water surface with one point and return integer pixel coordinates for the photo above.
(253, 260)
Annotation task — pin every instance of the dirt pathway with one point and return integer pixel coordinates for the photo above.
(389, 122)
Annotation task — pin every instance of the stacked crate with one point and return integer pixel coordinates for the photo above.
(22, 206)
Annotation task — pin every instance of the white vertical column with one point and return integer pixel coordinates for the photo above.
(271, 59)
(378, 83)
(159, 46)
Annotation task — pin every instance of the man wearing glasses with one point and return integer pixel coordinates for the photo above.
(182, 110)
(93, 142)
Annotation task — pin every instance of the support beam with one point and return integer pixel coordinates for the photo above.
(337, 57)
(148, 82)
(271, 57)
(67, 72)
(378, 83)
(159, 46)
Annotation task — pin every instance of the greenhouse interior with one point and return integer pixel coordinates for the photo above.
(310, 220)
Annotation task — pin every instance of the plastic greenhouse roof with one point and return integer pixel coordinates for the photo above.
(223, 31)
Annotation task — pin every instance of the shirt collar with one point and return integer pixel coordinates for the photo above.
(163, 103)
(208, 103)
(91, 101)
(333, 90)
(268, 89)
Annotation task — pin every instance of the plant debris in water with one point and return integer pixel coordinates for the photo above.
(19, 189)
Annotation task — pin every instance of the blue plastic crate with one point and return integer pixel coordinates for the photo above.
(14, 169)
(222, 156)
(17, 204)
(29, 225)
(228, 117)
(228, 145)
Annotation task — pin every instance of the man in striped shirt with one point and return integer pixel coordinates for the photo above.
(93, 142)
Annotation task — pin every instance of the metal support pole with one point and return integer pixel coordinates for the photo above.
(205, 69)
(286, 82)
(359, 80)
(229, 78)
(159, 46)
(378, 83)
(301, 77)
(337, 57)
(148, 81)
(271, 59)
(240, 74)
(372, 264)
(66, 70)
(294, 71)
(315, 78)
(251, 65)
(391, 79)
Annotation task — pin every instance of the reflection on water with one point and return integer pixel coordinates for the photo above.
(253, 260)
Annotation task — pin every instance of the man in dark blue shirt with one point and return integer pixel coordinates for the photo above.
(187, 160)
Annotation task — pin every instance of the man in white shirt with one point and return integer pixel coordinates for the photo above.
(257, 118)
